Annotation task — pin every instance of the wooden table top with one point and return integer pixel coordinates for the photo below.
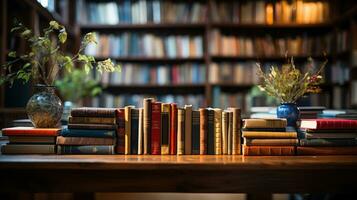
(133, 173)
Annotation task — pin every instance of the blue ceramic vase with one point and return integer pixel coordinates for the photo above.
(290, 112)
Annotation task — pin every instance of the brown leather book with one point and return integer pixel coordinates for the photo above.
(236, 136)
(93, 126)
(326, 150)
(268, 150)
(127, 118)
(147, 125)
(93, 112)
(203, 130)
(217, 131)
(120, 148)
(84, 141)
(264, 123)
(92, 120)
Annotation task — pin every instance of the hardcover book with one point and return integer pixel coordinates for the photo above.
(217, 131)
(328, 142)
(155, 128)
(127, 118)
(120, 147)
(327, 150)
(236, 136)
(230, 133)
(88, 133)
(331, 135)
(268, 150)
(267, 134)
(188, 129)
(165, 128)
(93, 126)
(147, 125)
(84, 141)
(195, 132)
(28, 149)
(97, 149)
(23, 131)
(134, 135)
(30, 139)
(203, 130)
(270, 142)
(225, 121)
(141, 132)
(329, 124)
(92, 120)
(93, 112)
(264, 123)
(180, 131)
(173, 129)
(210, 132)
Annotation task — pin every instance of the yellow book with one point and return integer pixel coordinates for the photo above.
(218, 131)
(180, 131)
(127, 128)
(264, 123)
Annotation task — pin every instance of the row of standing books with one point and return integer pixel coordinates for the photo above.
(342, 41)
(146, 45)
(112, 100)
(140, 12)
(156, 74)
(276, 12)
(243, 73)
(234, 45)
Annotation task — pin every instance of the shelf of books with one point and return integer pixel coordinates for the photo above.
(207, 50)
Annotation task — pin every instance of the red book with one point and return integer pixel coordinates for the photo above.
(173, 129)
(30, 131)
(155, 128)
(268, 150)
(329, 124)
(120, 148)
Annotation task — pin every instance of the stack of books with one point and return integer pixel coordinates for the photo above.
(89, 131)
(328, 137)
(268, 137)
(29, 140)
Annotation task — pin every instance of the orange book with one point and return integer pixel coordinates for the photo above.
(23, 131)
(268, 150)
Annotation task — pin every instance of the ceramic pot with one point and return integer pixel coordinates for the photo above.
(290, 112)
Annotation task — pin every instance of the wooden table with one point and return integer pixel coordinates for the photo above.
(203, 174)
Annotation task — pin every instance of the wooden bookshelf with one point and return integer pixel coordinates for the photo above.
(155, 60)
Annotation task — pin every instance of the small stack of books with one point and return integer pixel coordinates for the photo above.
(89, 131)
(328, 137)
(268, 137)
(29, 140)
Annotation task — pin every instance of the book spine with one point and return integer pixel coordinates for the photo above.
(269, 135)
(203, 130)
(225, 119)
(217, 131)
(210, 132)
(141, 131)
(156, 128)
(91, 120)
(87, 133)
(268, 150)
(147, 125)
(270, 142)
(134, 131)
(236, 136)
(331, 124)
(28, 149)
(188, 129)
(328, 142)
(93, 126)
(128, 129)
(195, 132)
(165, 128)
(93, 112)
(326, 150)
(84, 141)
(230, 133)
(32, 132)
(173, 129)
(180, 131)
(264, 123)
(120, 148)
(97, 150)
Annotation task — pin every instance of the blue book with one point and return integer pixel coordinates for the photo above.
(98, 150)
(66, 132)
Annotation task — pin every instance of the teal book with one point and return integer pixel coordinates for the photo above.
(97, 150)
(328, 142)
(66, 132)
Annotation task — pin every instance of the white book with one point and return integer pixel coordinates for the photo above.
(111, 14)
(185, 45)
(199, 46)
(156, 11)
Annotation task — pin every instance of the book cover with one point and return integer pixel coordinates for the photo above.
(84, 141)
(236, 136)
(195, 132)
(93, 126)
(28, 149)
(134, 135)
(264, 123)
(92, 120)
(327, 150)
(180, 131)
(203, 130)
(267, 134)
(93, 112)
(65, 132)
(92, 149)
(225, 120)
(147, 125)
(155, 128)
(120, 147)
(19, 139)
(127, 117)
(210, 132)
(270, 142)
(329, 124)
(188, 129)
(328, 142)
(173, 129)
(268, 150)
(141, 132)
(335, 135)
(23, 131)
(217, 131)
(165, 128)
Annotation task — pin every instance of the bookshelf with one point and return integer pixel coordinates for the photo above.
(205, 28)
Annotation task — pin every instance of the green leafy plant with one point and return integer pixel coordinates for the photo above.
(45, 59)
(288, 84)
